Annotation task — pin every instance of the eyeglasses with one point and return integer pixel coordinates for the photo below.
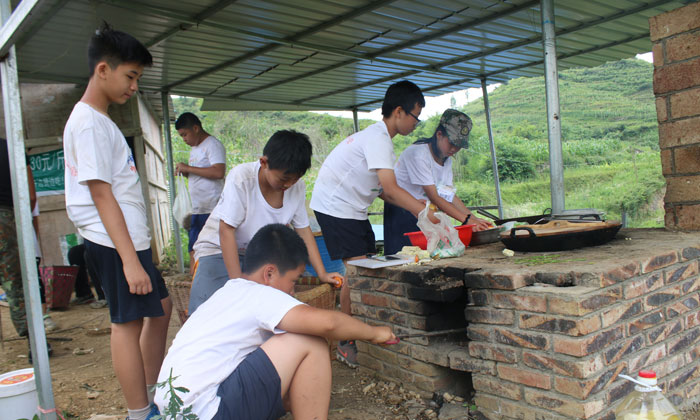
(411, 114)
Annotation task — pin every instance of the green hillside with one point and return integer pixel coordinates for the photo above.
(609, 130)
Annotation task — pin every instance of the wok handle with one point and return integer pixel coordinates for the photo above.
(532, 232)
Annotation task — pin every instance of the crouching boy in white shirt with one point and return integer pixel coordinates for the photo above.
(252, 351)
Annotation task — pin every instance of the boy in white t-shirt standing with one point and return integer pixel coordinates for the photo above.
(256, 194)
(205, 170)
(424, 170)
(358, 170)
(252, 351)
(105, 202)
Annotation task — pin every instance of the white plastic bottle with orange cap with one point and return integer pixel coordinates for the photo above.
(646, 402)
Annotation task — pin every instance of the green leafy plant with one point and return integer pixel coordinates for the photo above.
(174, 410)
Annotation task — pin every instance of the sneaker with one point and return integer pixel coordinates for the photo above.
(98, 304)
(48, 349)
(346, 352)
(49, 324)
(81, 300)
(151, 414)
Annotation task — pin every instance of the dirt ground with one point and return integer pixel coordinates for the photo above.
(84, 383)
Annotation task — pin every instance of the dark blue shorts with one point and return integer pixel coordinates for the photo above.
(123, 305)
(252, 392)
(346, 238)
(196, 224)
(397, 221)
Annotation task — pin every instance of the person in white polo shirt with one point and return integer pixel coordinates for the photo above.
(206, 169)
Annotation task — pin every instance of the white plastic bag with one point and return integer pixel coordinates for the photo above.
(182, 207)
(443, 238)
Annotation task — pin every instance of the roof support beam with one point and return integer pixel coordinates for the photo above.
(197, 19)
(26, 12)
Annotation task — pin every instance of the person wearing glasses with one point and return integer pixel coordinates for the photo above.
(424, 170)
(358, 170)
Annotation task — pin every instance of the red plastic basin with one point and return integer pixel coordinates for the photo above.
(418, 238)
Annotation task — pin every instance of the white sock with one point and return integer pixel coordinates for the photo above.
(151, 390)
(139, 414)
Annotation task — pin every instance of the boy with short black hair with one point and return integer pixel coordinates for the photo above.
(256, 194)
(105, 202)
(358, 170)
(252, 351)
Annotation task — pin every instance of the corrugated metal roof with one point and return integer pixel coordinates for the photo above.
(332, 54)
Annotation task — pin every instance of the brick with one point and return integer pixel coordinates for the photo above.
(620, 274)
(492, 352)
(659, 261)
(619, 390)
(645, 322)
(580, 305)
(679, 133)
(621, 312)
(494, 407)
(383, 355)
(511, 281)
(369, 362)
(624, 348)
(690, 253)
(685, 103)
(657, 335)
(687, 159)
(657, 51)
(427, 369)
(692, 390)
(661, 109)
(662, 298)
(565, 405)
(530, 378)
(392, 317)
(678, 344)
(670, 219)
(646, 359)
(479, 332)
(543, 362)
(638, 287)
(390, 287)
(667, 162)
(692, 320)
(360, 283)
(574, 327)
(491, 385)
(373, 299)
(489, 316)
(430, 384)
(519, 302)
(521, 339)
(682, 272)
(691, 286)
(677, 76)
(355, 296)
(478, 297)
(461, 360)
(688, 216)
(674, 22)
(688, 375)
(435, 354)
(667, 366)
(682, 306)
(683, 46)
(581, 389)
(414, 306)
(584, 346)
(364, 311)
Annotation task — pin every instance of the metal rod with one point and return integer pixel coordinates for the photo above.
(433, 333)
(23, 221)
(494, 160)
(171, 182)
(551, 82)
(355, 121)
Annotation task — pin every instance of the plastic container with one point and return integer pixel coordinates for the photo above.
(418, 238)
(646, 402)
(59, 281)
(18, 397)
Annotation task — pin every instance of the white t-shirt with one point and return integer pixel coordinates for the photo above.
(205, 192)
(95, 149)
(231, 324)
(416, 168)
(347, 183)
(243, 207)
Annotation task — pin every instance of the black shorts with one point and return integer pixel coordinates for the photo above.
(125, 306)
(253, 391)
(346, 238)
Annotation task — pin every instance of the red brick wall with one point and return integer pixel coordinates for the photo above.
(676, 37)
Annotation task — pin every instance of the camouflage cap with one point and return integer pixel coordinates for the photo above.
(458, 125)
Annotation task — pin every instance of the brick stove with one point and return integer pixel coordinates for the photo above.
(542, 341)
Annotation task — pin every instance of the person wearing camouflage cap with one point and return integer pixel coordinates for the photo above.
(424, 169)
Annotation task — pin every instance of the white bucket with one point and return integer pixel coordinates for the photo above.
(18, 398)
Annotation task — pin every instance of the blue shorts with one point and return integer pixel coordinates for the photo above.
(196, 224)
(253, 391)
(125, 306)
(346, 238)
(211, 275)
